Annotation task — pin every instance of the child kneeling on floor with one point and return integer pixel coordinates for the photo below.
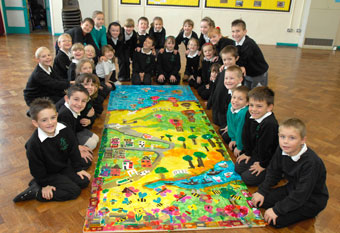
(305, 194)
(53, 157)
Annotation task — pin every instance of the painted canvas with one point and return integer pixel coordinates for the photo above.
(161, 166)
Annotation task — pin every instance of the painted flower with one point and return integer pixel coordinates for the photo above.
(155, 210)
(205, 219)
(236, 211)
(192, 207)
(209, 208)
(206, 198)
(140, 210)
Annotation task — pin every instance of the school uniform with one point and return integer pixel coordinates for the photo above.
(44, 83)
(71, 73)
(99, 36)
(305, 194)
(159, 37)
(185, 39)
(223, 42)
(104, 68)
(191, 68)
(168, 64)
(143, 62)
(129, 45)
(62, 63)
(204, 73)
(116, 44)
(202, 40)
(251, 57)
(55, 161)
(140, 39)
(260, 140)
(235, 119)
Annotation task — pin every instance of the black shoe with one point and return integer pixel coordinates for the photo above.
(29, 194)
(32, 182)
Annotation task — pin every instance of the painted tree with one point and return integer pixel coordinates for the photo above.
(200, 155)
(161, 171)
(209, 137)
(192, 128)
(168, 136)
(182, 139)
(189, 158)
(193, 138)
(205, 145)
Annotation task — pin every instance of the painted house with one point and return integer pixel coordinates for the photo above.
(115, 142)
(105, 171)
(119, 153)
(115, 170)
(127, 164)
(146, 161)
(128, 142)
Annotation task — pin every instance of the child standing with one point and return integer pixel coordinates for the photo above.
(206, 24)
(142, 25)
(186, 34)
(115, 39)
(259, 137)
(157, 31)
(143, 64)
(43, 81)
(62, 61)
(98, 32)
(252, 61)
(238, 107)
(305, 194)
(168, 64)
(218, 40)
(53, 158)
(78, 52)
(193, 60)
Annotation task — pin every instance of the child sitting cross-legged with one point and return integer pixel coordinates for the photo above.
(305, 194)
(53, 157)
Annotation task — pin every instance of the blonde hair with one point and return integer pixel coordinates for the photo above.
(296, 124)
(77, 46)
(157, 18)
(210, 22)
(236, 69)
(195, 41)
(95, 13)
(81, 63)
(129, 23)
(39, 51)
(64, 36)
(89, 46)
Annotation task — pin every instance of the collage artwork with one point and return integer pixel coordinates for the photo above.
(161, 166)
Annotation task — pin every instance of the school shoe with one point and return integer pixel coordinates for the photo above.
(29, 194)
(117, 83)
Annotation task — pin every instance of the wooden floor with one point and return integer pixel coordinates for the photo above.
(306, 83)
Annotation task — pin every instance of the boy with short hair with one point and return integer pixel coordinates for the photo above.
(44, 82)
(142, 26)
(259, 137)
(62, 61)
(143, 64)
(305, 194)
(252, 61)
(75, 102)
(54, 158)
(98, 32)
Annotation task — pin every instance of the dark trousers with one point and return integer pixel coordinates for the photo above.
(105, 90)
(113, 76)
(304, 212)
(124, 65)
(167, 80)
(67, 183)
(193, 83)
(249, 179)
(136, 80)
(204, 92)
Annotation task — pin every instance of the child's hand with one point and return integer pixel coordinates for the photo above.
(224, 130)
(215, 59)
(175, 51)
(83, 173)
(199, 80)
(237, 152)
(187, 52)
(161, 51)
(243, 157)
(138, 49)
(243, 70)
(232, 145)
(207, 86)
(270, 215)
(221, 68)
(85, 153)
(153, 52)
(161, 78)
(85, 122)
(257, 199)
(256, 168)
(191, 77)
(141, 75)
(47, 192)
(72, 82)
(173, 79)
(102, 58)
(90, 113)
(108, 84)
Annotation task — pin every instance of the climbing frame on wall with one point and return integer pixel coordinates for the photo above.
(161, 166)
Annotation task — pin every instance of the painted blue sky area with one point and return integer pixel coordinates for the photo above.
(134, 97)
(223, 172)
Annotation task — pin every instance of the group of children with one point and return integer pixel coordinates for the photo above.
(231, 75)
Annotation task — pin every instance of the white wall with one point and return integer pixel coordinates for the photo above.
(266, 27)
(86, 8)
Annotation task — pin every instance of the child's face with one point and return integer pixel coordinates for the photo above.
(109, 54)
(215, 38)
(231, 79)
(257, 108)
(238, 100)
(86, 27)
(187, 28)
(78, 53)
(213, 75)
(77, 101)
(47, 120)
(142, 25)
(99, 20)
(114, 31)
(128, 30)
(290, 140)
(65, 43)
(90, 86)
(148, 44)
(45, 58)
(89, 53)
(208, 52)
(158, 25)
(204, 27)
(238, 33)
(169, 45)
(192, 46)
(228, 59)
(86, 68)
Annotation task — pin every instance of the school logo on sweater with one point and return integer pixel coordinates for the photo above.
(172, 58)
(63, 144)
(148, 60)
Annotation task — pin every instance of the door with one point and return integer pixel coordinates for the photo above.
(48, 15)
(16, 16)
